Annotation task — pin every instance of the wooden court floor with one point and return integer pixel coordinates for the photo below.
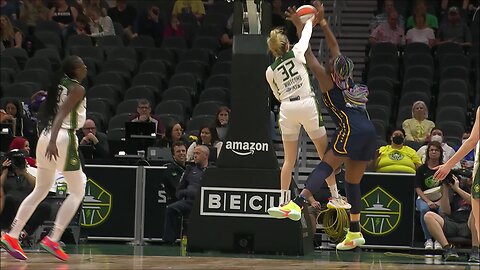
(122, 256)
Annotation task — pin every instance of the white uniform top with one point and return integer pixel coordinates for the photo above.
(288, 76)
(76, 118)
(476, 165)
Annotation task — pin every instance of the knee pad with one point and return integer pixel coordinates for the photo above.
(354, 196)
(316, 179)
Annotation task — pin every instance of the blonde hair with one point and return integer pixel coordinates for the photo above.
(7, 32)
(277, 42)
(419, 102)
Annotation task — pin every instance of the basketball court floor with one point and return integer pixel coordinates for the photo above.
(123, 256)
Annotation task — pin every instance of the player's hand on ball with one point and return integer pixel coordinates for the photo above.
(292, 16)
(320, 15)
(51, 151)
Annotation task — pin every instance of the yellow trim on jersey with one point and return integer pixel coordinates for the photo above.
(338, 113)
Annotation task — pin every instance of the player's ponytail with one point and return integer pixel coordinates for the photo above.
(277, 42)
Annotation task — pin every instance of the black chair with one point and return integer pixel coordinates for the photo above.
(451, 129)
(164, 54)
(198, 122)
(38, 76)
(100, 105)
(221, 80)
(7, 76)
(77, 40)
(416, 48)
(452, 113)
(379, 112)
(171, 107)
(142, 91)
(19, 54)
(9, 62)
(383, 48)
(179, 94)
(449, 48)
(380, 127)
(449, 60)
(198, 69)
(222, 68)
(128, 106)
(155, 65)
(453, 85)
(224, 55)
(20, 90)
(387, 71)
(100, 120)
(153, 79)
(39, 63)
(206, 108)
(407, 99)
(52, 54)
(47, 25)
(119, 66)
(384, 59)
(197, 54)
(452, 99)
(142, 41)
(380, 84)
(116, 134)
(177, 44)
(380, 97)
(185, 80)
(111, 77)
(50, 39)
(118, 121)
(403, 114)
(454, 72)
(416, 85)
(215, 94)
(209, 43)
(417, 71)
(94, 53)
(110, 41)
(418, 59)
(109, 92)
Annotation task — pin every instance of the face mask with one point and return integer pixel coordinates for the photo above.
(397, 139)
(437, 138)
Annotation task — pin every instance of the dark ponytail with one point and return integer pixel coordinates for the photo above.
(49, 107)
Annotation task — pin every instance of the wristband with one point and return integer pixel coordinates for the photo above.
(323, 23)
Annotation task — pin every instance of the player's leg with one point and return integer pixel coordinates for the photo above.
(76, 181)
(9, 241)
(353, 175)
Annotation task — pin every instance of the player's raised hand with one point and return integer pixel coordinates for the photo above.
(320, 15)
(292, 16)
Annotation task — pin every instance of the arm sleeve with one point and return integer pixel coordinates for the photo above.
(273, 85)
(301, 47)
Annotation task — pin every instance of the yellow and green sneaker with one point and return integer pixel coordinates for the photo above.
(290, 210)
(351, 241)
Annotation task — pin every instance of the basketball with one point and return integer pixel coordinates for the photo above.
(305, 12)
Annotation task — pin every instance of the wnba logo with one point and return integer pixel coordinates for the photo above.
(380, 213)
(96, 205)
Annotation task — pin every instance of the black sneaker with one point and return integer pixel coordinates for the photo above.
(474, 257)
(450, 254)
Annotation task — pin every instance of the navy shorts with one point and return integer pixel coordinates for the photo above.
(355, 138)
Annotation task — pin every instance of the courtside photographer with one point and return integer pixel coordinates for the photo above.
(16, 183)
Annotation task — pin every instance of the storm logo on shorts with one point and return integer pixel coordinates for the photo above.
(246, 148)
(73, 161)
(96, 205)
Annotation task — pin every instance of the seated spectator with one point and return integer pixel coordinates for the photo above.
(436, 135)
(174, 133)
(82, 26)
(8, 9)
(446, 4)
(194, 7)
(187, 190)
(389, 31)
(221, 121)
(388, 6)
(22, 125)
(454, 30)
(420, 32)
(226, 40)
(125, 15)
(16, 183)
(151, 24)
(206, 136)
(397, 157)
(468, 161)
(23, 144)
(424, 181)
(98, 140)
(172, 174)
(33, 11)
(64, 15)
(99, 25)
(11, 36)
(455, 218)
(144, 114)
(174, 28)
(418, 127)
(421, 9)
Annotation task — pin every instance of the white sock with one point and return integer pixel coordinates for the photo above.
(285, 196)
(334, 191)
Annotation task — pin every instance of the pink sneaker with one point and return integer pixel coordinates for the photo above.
(12, 246)
(53, 248)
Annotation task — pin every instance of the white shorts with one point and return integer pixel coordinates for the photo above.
(303, 112)
(67, 145)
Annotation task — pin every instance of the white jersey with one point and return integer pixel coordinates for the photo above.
(76, 118)
(288, 75)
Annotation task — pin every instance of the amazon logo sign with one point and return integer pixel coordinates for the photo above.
(246, 148)
(237, 202)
